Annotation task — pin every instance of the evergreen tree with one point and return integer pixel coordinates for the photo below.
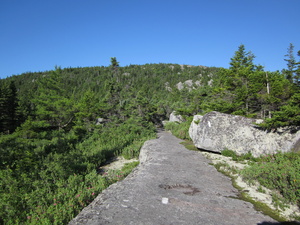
(8, 107)
(53, 105)
(297, 72)
(242, 70)
(242, 59)
(114, 63)
(288, 115)
(114, 67)
(291, 63)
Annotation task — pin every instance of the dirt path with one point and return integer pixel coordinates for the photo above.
(171, 186)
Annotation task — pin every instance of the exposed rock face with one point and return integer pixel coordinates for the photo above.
(167, 86)
(180, 86)
(187, 84)
(175, 118)
(219, 131)
(194, 126)
(100, 121)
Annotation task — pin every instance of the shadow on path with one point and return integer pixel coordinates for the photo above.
(279, 223)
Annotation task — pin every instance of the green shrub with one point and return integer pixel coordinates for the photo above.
(278, 172)
(235, 157)
(50, 179)
(180, 130)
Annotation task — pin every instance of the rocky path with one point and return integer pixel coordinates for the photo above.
(171, 186)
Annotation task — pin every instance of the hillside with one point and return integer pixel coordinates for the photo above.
(51, 145)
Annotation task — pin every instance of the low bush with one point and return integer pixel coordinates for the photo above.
(180, 130)
(50, 179)
(235, 157)
(278, 172)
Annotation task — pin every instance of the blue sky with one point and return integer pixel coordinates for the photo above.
(37, 35)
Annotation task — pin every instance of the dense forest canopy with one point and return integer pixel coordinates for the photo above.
(51, 145)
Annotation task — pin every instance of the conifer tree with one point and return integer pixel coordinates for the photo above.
(291, 63)
(242, 69)
(297, 72)
(8, 107)
(242, 59)
(53, 105)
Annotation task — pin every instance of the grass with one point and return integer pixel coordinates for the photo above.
(180, 130)
(189, 145)
(116, 175)
(238, 158)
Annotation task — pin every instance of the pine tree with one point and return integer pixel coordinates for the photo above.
(242, 69)
(8, 107)
(114, 63)
(242, 59)
(291, 63)
(53, 105)
(297, 72)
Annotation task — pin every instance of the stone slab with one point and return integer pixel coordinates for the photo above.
(172, 185)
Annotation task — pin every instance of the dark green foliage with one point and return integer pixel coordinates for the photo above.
(242, 59)
(287, 115)
(245, 89)
(291, 63)
(9, 117)
(58, 169)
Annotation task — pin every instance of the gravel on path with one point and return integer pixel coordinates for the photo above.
(174, 186)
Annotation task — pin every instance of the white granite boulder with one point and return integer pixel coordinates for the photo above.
(175, 118)
(218, 131)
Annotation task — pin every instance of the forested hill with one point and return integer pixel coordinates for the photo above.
(148, 91)
(51, 145)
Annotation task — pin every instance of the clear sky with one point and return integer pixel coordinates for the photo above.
(37, 35)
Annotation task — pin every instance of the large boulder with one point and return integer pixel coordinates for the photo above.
(218, 131)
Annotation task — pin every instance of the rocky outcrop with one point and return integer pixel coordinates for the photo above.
(189, 84)
(175, 118)
(218, 131)
(100, 121)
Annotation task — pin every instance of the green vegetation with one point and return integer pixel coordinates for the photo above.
(180, 130)
(235, 157)
(51, 146)
(278, 172)
(233, 172)
(53, 178)
(189, 145)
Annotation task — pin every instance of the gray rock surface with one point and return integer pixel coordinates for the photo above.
(194, 126)
(100, 121)
(180, 86)
(172, 185)
(186, 84)
(175, 118)
(219, 131)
